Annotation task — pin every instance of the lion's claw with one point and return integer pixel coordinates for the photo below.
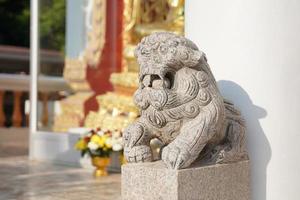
(175, 157)
(138, 154)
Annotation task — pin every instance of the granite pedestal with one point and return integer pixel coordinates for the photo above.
(153, 181)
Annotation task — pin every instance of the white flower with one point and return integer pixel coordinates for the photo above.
(104, 130)
(120, 140)
(108, 142)
(93, 146)
(100, 133)
(116, 134)
(117, 147)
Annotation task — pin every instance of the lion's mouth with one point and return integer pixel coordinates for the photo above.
(158, 81)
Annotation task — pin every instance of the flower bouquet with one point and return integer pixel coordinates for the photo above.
(99, 144)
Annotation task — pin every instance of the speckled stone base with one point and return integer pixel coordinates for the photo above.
(153, 181)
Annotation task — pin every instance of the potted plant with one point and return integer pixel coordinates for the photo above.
(99, 144)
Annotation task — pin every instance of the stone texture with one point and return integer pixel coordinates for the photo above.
(181, 106)
(153, 181)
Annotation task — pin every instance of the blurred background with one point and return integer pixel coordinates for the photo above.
(87, 72)
(86, 76)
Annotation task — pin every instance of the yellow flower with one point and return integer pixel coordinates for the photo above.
(80, 144)
(108, 143)
(98, 140)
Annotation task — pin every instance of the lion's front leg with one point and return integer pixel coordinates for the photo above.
(176, 155)
(137, 143)
(187, 146)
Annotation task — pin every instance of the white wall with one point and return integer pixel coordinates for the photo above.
(254, 45)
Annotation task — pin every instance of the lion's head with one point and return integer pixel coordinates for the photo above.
(164, 81)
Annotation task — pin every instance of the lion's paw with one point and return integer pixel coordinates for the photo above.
(138, 154)
(175, 157)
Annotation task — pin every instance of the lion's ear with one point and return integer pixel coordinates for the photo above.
(197, 55)
(194, 58)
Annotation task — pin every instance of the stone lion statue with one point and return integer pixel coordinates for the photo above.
(182, 107)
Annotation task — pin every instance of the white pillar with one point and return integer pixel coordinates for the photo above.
(254, 47)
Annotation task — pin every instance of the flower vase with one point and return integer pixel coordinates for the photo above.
(101, 164)
(122, 159)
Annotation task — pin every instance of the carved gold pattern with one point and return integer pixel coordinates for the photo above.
(75, 71)
(75, 74)
(122, 103)
(116, 112)
(96, 36)
(105, 120)
(75, 68)
(72, 112)
(126, 79)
